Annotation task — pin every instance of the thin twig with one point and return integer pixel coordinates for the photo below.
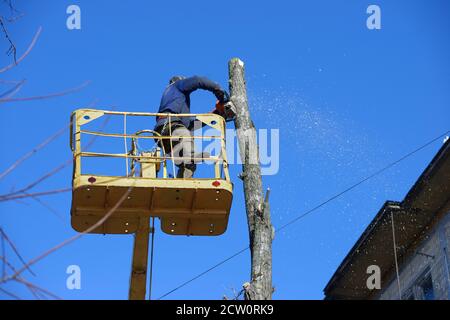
(22, 193)
(11, 244)
(49, 208)
(13, 91)
(34, 151)
(10, 81)
(55, 170)
(22, 203)
(35, 194)
(72, 239)
(13, 195)
(12, 48)
(9, 265)
(13, 11)
(9, 294)
(40, 289)
(30, 47)
(31, 286)
(33, 292)
(15, 18)
(48, 96)
(4, 255)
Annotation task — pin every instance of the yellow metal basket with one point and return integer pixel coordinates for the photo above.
(194, 206)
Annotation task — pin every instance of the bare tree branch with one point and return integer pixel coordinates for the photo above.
(48, 96)
(34, 292)
(12, 48)
(15, 14)
(34, 289)
(4, 255)
(11, 244)
(70, 240)
(14, 195)
(36, 194)
(48, 207)
(10, 81)
(39, 289)
(11, 195)
(13, 91)
(9, 294)
(30, 47)
(33, 151)
(15, 17)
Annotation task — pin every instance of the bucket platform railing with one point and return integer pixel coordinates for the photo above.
(194, 206)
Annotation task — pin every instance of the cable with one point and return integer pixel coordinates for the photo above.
(204, 272)
(301, 216)
(151, 259)
(395, 257)
(362, 181)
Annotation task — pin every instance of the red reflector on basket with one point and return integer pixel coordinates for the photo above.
(216, 183)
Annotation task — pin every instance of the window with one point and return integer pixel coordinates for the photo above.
(427, 288)
(422, 289)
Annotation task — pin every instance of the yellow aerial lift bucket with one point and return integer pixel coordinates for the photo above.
(194, 206)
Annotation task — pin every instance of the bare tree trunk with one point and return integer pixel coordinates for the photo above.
(258, 211)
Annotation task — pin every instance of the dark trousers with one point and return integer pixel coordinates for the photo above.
(182, 147)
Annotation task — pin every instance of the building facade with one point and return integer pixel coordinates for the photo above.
(404, 252)
(425, 274)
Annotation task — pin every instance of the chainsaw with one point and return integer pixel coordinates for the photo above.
(226, 110)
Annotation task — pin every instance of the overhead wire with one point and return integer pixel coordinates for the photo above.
(303, 215)
(152, 246)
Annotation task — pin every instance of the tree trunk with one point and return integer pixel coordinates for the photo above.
(257, 208)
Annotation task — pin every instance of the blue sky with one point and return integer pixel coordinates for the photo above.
(346, 100)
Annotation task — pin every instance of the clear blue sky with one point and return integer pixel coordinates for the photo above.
(347, 101)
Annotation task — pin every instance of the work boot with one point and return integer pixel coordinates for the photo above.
(186, 171)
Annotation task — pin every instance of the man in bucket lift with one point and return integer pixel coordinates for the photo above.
(176, 100)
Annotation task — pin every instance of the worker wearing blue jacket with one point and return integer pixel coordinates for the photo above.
(176, 100)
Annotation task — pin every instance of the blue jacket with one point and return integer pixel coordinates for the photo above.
(176, 98)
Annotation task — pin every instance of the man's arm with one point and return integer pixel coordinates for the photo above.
(191, 84)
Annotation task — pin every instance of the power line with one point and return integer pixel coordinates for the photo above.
(362, 181)
(151, 259)
(204, 272)
(301, 216)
